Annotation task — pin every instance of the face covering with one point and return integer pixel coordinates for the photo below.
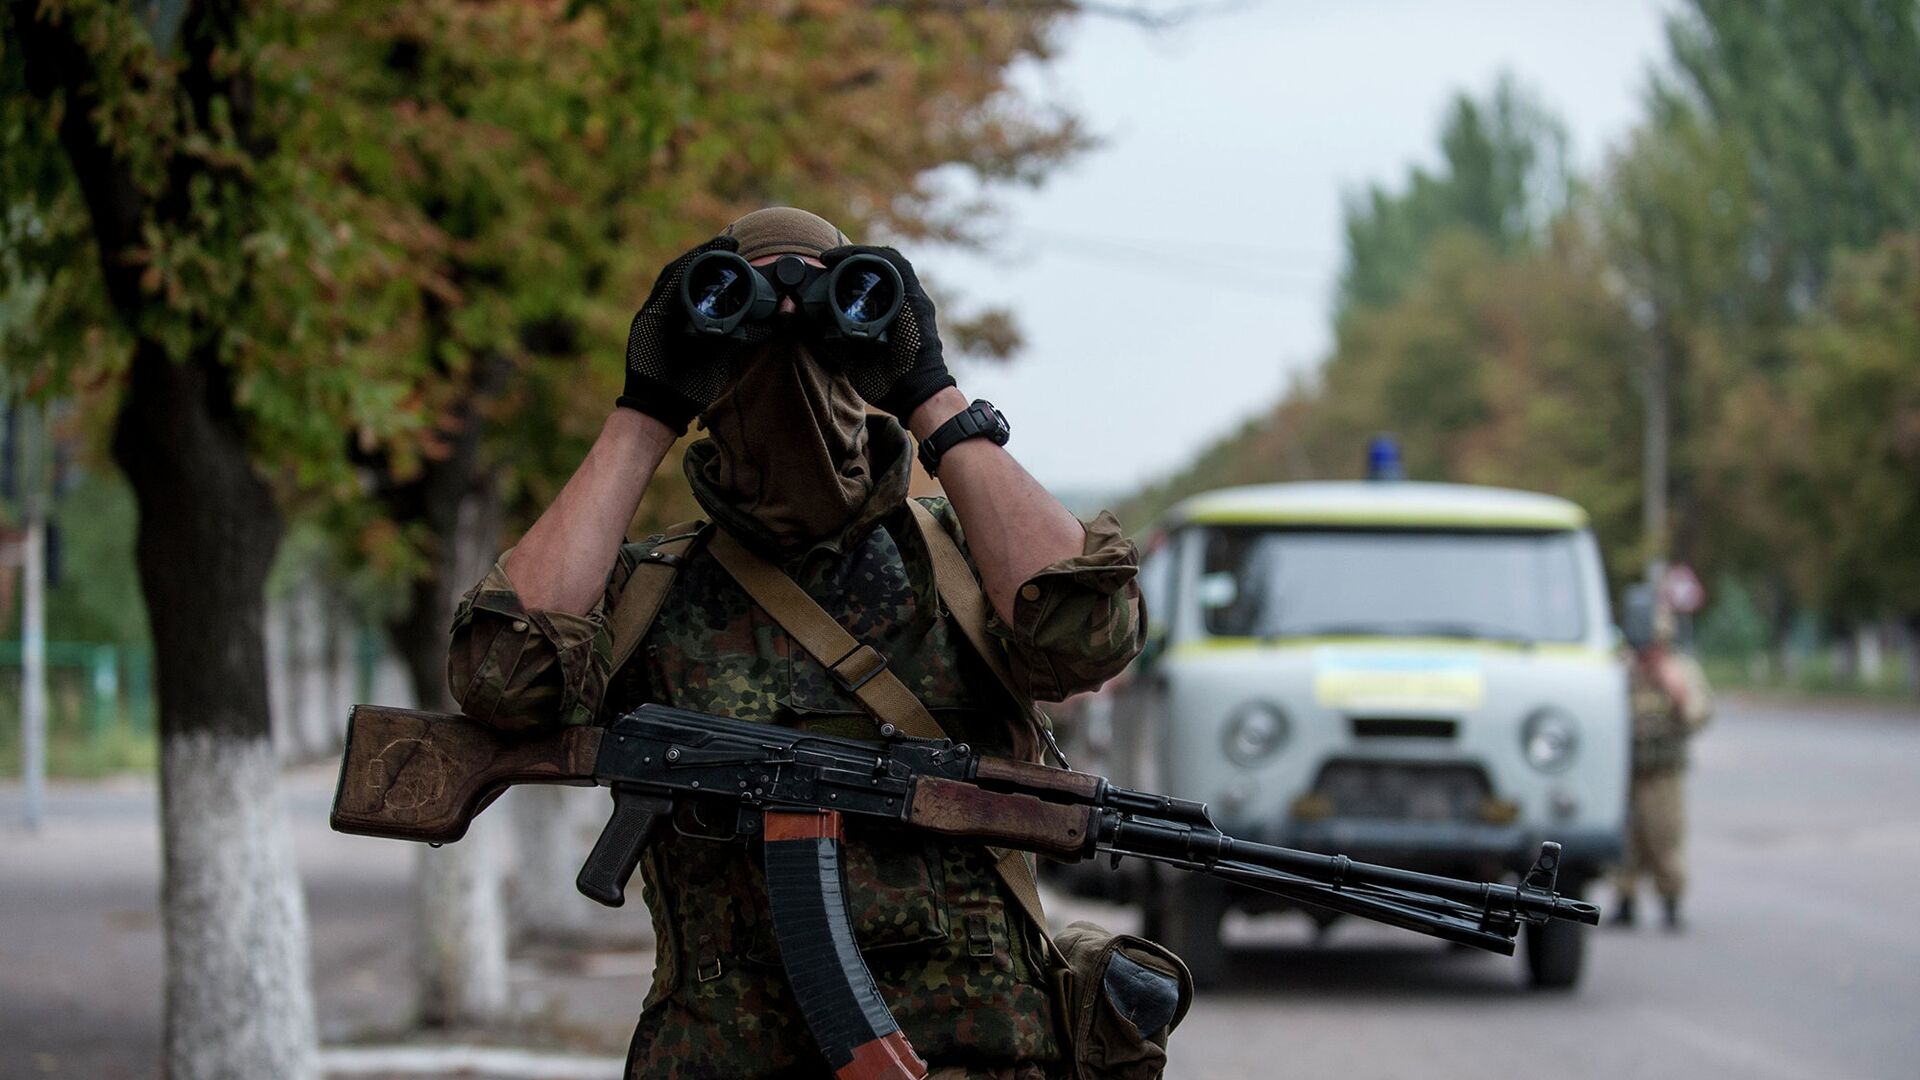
(791, 446)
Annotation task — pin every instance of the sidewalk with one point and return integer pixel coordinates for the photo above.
(80, 951)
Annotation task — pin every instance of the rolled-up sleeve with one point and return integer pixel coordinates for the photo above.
(520, 670)
(1080, 621)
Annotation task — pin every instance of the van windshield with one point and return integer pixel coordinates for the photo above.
(1512, 586)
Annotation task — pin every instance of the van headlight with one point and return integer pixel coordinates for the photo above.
(1550, 738)
(1255, 732)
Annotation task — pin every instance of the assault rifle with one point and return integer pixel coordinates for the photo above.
(423, 776)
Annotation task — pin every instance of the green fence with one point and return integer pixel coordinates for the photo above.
(116, 682)
(100, 708)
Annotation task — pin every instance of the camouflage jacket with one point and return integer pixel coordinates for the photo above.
(949, 949)
(1662, 724)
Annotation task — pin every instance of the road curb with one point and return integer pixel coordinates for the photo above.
(466, 1061)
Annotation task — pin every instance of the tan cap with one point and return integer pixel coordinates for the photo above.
(784, 230)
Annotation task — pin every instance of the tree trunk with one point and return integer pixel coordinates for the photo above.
(238, 1005)
(1869, 645)
(461, 934)
(1845, 656)
(548, 845)
(1910, 628)
(238, 1000)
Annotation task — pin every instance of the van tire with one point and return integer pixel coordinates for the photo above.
(1185, 916)
(1555, 954)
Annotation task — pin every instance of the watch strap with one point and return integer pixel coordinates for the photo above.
(979, 420)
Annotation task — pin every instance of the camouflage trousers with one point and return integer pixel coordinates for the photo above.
(1656, 834)
(1025, 1070)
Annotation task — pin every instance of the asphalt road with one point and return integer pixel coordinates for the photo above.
(1802, 958)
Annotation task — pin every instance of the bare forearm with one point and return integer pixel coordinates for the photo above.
(562, 562)
(1014, 527)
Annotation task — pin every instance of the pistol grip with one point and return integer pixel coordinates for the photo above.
(603, 878)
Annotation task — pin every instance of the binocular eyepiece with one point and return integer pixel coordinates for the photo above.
(859, 297)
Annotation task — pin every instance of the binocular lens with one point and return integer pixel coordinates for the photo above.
(864, 296)
(718, 290)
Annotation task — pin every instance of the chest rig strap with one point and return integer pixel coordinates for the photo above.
(647, 587)
(878, 689)
(859, 668)
(964, 599)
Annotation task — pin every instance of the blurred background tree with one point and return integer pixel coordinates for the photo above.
(1856, 380)
(372, 268)
(1503, 177)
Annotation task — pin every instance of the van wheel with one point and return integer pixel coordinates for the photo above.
(1185, 916)
(1555, 952)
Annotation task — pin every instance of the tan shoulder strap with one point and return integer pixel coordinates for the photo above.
(966, 601)
(859, 668)
(862, 671)
(647, 589)
(961, 592)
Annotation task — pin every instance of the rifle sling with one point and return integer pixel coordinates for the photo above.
(862, 671)
(857, 667)
(646, 589)
(961, 593)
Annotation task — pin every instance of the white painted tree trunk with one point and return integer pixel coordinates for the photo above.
(548, 828)
(461, 937)
(1873, 659)
(33, 640)
(239, 1003)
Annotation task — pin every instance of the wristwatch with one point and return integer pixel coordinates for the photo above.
(980, 420)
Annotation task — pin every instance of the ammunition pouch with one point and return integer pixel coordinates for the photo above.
(1118, 997)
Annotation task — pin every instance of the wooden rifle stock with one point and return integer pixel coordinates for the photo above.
(413, 775)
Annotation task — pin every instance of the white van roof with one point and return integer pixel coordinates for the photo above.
(1379, 503)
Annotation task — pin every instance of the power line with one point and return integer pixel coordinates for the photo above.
(1167, 248)
(1199, 267)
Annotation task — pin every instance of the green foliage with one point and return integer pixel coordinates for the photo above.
(1825, 97)
(231, 244)
(448, 211)
(73, 750)
(1734, 626)
(97, 599)
(1856, 383)
(531, 171)
(1503, 177)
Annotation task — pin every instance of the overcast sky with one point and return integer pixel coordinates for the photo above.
(1170, 281)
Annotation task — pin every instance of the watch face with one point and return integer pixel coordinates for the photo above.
(993, 421)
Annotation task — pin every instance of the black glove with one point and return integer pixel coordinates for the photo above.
(673, 374)
(905, 370)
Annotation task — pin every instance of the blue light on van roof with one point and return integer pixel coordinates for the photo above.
(1383, 459)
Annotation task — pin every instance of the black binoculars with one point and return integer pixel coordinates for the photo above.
(859, 297)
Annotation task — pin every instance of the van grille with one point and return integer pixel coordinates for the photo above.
(1403, 792)
(1404, 727)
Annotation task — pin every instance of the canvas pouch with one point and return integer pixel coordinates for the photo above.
(1119, 997)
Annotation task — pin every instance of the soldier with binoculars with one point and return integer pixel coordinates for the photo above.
(778, 335)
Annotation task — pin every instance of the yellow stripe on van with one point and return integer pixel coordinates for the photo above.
(1557, 650)
(1543, 517)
